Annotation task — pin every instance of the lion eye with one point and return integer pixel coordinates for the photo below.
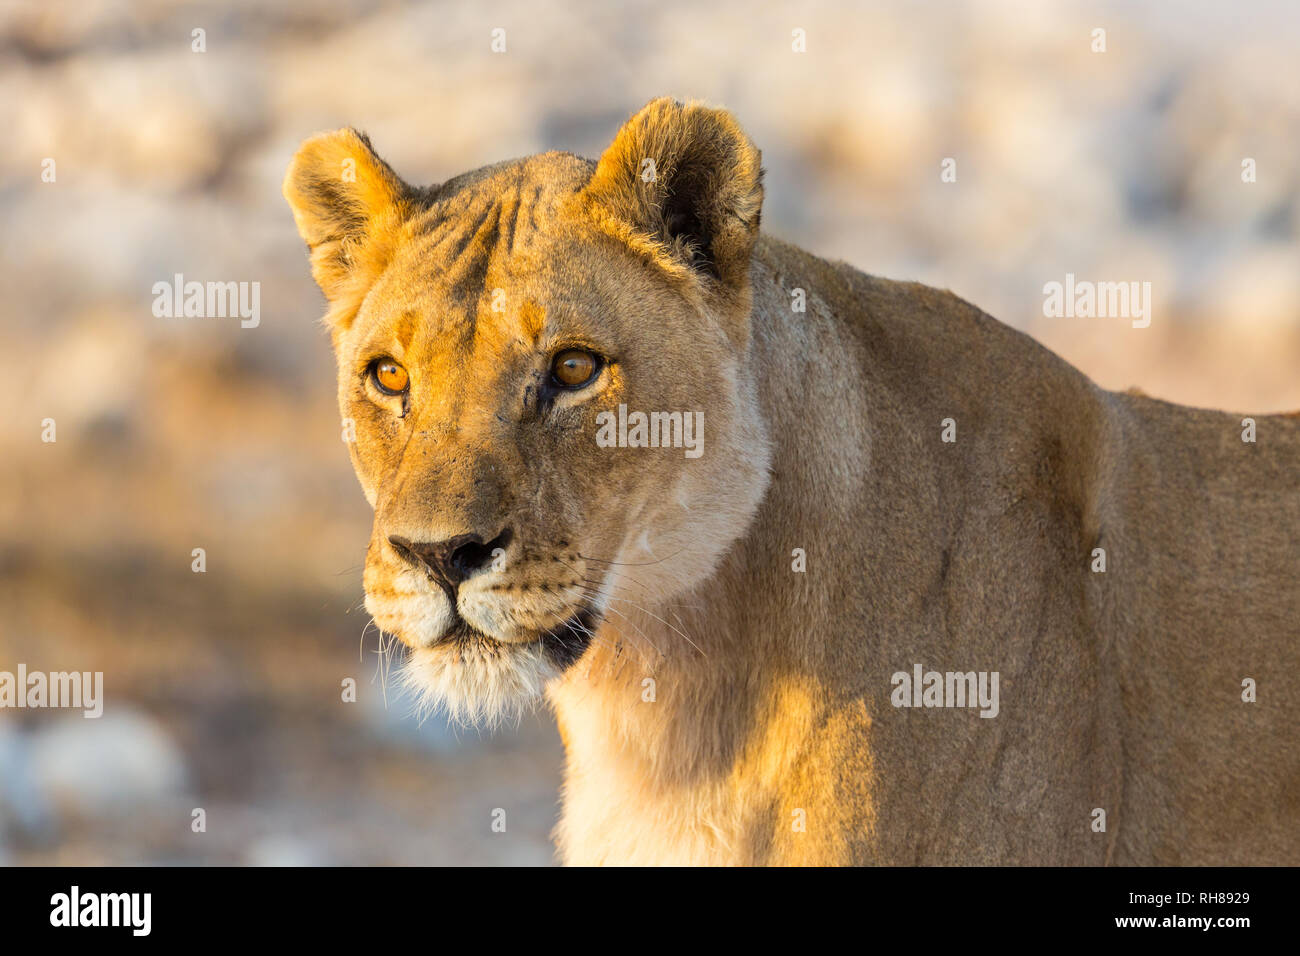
(574, 368)
(390, 377)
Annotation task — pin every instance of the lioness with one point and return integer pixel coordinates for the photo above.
(886, 485)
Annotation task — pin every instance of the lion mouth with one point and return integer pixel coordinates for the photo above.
(563, 644)
(568, 642)
(479, 679)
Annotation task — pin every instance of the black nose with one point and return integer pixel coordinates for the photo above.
(452, 561)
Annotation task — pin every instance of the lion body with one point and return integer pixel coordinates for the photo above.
(1121, 690)
(735, 704)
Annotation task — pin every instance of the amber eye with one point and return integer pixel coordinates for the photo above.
(574, 368)
(390, 377)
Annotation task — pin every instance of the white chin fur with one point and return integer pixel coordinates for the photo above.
(478, 682)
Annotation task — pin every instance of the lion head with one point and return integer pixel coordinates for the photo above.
(497, 337)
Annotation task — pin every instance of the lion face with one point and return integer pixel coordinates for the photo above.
(544, 365)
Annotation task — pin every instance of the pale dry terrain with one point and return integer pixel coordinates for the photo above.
(224, 688)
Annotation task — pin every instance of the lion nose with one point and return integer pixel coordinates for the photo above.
(453, 560)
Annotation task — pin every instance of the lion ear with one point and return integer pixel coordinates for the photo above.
(348, 204)
(687, 178)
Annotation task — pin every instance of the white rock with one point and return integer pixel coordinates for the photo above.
(122, 761)
(24, 808)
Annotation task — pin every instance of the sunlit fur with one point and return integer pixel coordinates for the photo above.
(735, 709)
(481, 683)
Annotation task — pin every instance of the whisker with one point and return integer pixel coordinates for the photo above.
(649, 594)
(651, 614)
(592, 593)
(630, 564)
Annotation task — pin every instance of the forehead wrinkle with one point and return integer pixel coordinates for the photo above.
(519, 203)
(509, 203)
(484, 223)
(466, 275)
(475, 238)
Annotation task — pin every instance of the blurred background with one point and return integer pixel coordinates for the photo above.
(223, 688)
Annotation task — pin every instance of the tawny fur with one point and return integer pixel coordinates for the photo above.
(731, 709)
